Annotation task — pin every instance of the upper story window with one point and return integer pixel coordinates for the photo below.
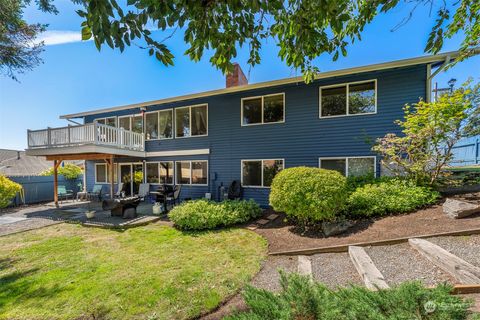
(160, 172)
(110, 121)
(348, 99)
(191, 121)
(192, 172)
(349, 166)
(159, 125)
(131, 123)
(260, 173)
(263, 109)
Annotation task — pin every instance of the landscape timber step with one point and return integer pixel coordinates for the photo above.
(461, 270)
(305, 266)
(371, 276)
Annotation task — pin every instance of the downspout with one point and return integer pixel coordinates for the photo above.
(431, 75)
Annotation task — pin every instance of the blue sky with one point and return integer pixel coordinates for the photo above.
(76, 77)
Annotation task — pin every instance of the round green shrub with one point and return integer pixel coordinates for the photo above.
(309, 195)
(8, 190)
(389, 196)
(203, 214)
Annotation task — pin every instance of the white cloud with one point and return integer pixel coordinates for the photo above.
(55, 37)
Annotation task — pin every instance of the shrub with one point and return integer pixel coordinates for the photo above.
(309, 195)
(301, 298)
(389, 196)
(204, 214)
(69, 171)
(8, 190)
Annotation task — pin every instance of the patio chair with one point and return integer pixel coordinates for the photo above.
(96, 193)
(63, 193)
(175, 198)
(143, 191)
(118, 194)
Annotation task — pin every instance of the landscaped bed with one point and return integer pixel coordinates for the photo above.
(155, 272)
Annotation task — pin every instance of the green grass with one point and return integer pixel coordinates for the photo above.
(152, 272)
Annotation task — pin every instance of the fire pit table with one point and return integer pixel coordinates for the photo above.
(122, 207)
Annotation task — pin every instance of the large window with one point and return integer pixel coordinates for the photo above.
(260, 173)
(131, 123)
(102, 174)
(349, 166)
(263, 109)
(192, 172)
(348, 99)
(110, 121)
(159, 124)
(191, 121)
(160, 172)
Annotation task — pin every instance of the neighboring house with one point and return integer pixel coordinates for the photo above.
(245, 132)
(14, 163)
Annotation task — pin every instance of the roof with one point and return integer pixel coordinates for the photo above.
(17, 163)
(431, 59)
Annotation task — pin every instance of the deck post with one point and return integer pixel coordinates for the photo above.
(56, 163)
(111, 176)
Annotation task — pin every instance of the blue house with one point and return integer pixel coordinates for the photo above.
(244, 132)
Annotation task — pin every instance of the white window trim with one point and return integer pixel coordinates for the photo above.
(263, 105)
(158, 169)
(190, 120)
(106, 173)
(190, 164)
(105, 118)
(346, 162)
(261, 160)
(131, 116)
(158, 119)
(347, 85)
(129, 121)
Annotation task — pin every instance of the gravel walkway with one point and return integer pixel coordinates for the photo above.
(269, 278)
(34, 217)
(334, 270)
(465, 247)
(399, 263)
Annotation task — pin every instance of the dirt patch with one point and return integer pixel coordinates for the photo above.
(282, 235)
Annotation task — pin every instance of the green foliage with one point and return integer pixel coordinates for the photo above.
(430, 130)
(309, 195)
(301, 298)
(389, 196)
(203, 214)
(69, 171)
(8, 190)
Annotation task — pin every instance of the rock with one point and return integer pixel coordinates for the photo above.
(336, 227)
(457, 209)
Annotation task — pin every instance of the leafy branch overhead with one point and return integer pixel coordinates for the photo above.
(302, 29)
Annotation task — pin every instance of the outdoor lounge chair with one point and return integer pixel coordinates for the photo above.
(143, 191)
(175, 198)
(96, 193)
(63, 193)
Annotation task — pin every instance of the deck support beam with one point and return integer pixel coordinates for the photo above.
(56, 163)
(110, 165)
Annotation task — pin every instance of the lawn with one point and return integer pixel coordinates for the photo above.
(154, 272)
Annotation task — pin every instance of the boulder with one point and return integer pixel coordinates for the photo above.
(336, 227)
(457, 209)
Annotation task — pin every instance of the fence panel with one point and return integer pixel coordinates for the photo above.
(466, 152)
(40, 188)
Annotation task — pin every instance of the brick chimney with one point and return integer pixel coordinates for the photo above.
(236, 78)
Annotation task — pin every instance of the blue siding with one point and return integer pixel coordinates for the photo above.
(301, 140)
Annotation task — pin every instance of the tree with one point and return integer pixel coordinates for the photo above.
(302, 29)
(69, 171)
(18, 50)
(431, 129)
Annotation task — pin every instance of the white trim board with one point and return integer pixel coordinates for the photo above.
(373, 67)
(191, 152)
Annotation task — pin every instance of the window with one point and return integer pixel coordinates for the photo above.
(260, 173)
(110, 121)
(160, 172)
(263, 109)
(131, 123)
(348, 99)
(192, 172)
(350, 166)
(151, 125)
(124, 122)
(102, 174)
(159, 125)
(191, 121)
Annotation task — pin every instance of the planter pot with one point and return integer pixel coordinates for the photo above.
(157, 209)
(90, 214)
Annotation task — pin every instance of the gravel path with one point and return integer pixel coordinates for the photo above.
(35, 216)
(269, 278)
(334, 270)
(399, 263)
(465, 247)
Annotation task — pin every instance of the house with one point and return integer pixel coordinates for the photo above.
(245, 132)
(17, 163)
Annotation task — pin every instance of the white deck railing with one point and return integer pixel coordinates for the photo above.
(91, 133)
